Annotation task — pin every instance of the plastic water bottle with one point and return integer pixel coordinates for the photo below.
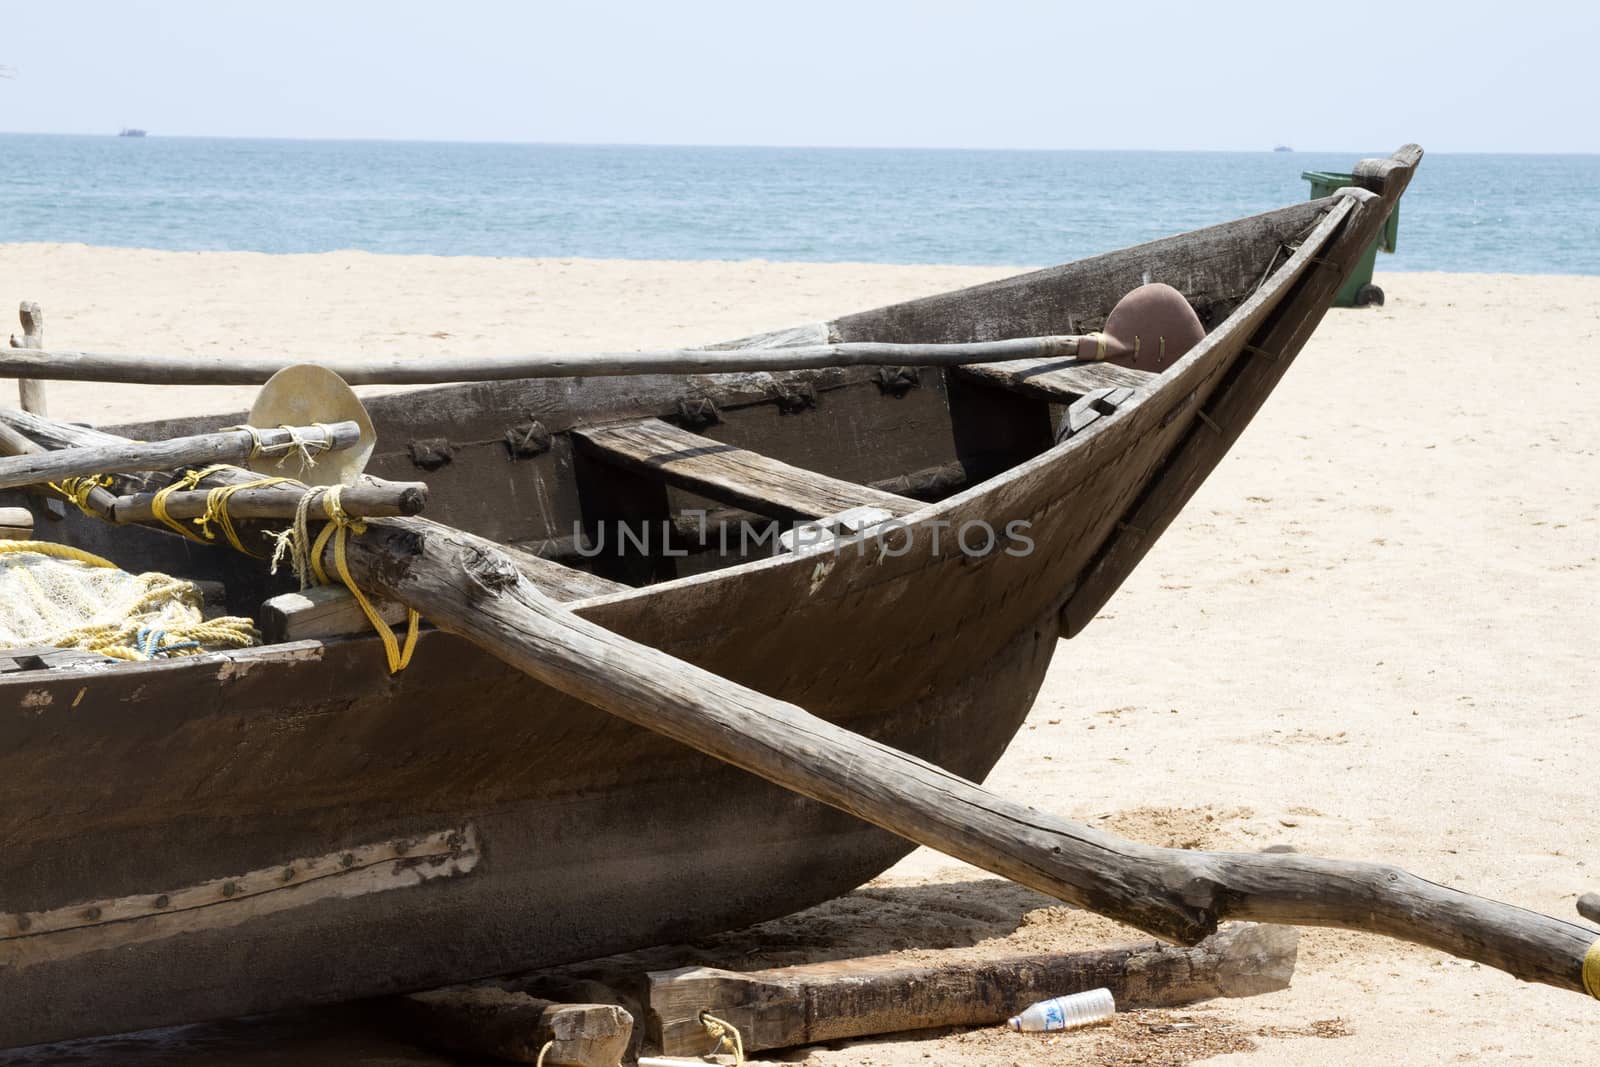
(1066, 1013)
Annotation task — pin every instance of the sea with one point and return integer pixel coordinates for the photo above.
(1535, 214)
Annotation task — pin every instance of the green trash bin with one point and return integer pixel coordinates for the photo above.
(1358, 290)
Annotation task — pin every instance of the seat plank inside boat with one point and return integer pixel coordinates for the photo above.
(732, 474)
(1056, 380)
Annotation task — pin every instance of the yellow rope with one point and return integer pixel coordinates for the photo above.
(158, 505)
(338, 528)
(129, 638)
(1591, 970)
(217, 511)
(77, 490)
(725, 1033)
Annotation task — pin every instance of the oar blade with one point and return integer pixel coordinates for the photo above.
(1151, 328)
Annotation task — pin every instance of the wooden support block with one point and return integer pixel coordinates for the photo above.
(16, 524)
(731, 474)
(856, 998)
(321, 611)
(509, 1025)
(1060, 381)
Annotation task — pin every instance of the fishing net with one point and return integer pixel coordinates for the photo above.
(55, 596)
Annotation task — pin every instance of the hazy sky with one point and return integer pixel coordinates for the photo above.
(1004, 73)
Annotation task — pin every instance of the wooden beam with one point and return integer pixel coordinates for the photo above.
(1056, 380)
(504, 1024)
(31, 391)
(463, 584)
(372, 498)
(326, 611)
(432, 370)
(832, 1001)
(732, 474)
(229, 446)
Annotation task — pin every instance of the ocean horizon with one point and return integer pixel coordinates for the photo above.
(1466, 212)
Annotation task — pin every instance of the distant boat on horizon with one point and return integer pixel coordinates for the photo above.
(1283, 148)
(130, 131)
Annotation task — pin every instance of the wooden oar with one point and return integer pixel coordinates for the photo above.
(227, 446)
(1151, 320)
(466, 585)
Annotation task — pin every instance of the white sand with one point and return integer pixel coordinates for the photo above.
(1371, 635)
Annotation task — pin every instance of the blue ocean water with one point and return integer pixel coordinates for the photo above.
(1525, 214)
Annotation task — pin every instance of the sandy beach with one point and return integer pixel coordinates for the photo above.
(1371, 635)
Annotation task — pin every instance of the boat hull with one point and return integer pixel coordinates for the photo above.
(258, 829)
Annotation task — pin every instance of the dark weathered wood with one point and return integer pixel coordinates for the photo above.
(509, 1025)
(1589, 907)
(254, 370)
(1237, 400)
(233, 446)
(819, 1002)
(1058, 381)
(732, 474)
(367, 499)
(31, 391)
(466, 585)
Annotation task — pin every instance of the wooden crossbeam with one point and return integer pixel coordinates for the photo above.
(1060, 381)
(732, 474)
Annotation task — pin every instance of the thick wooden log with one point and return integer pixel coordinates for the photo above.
(466, 585)
(373, 498)
(508, 1025)
(1589, 907)
(434, 370)
(31, 391)
(841, 999)
(229, 446)
(731, 474)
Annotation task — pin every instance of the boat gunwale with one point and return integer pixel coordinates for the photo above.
(1178, 380)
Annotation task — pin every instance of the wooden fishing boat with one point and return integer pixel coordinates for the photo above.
(242, 831)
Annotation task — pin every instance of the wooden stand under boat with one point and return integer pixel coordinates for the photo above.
(351, 833)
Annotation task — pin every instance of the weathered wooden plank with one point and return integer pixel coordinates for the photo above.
(841, 999)
(486, 1020)
(320, 612)
(31, 391)
(732, 474)
(1055, 380)
(233, 446)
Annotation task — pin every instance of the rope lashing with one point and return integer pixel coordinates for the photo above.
(725, 1033)
(308, 448)
(1591, 970)
(77, 490)
(305, 555)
